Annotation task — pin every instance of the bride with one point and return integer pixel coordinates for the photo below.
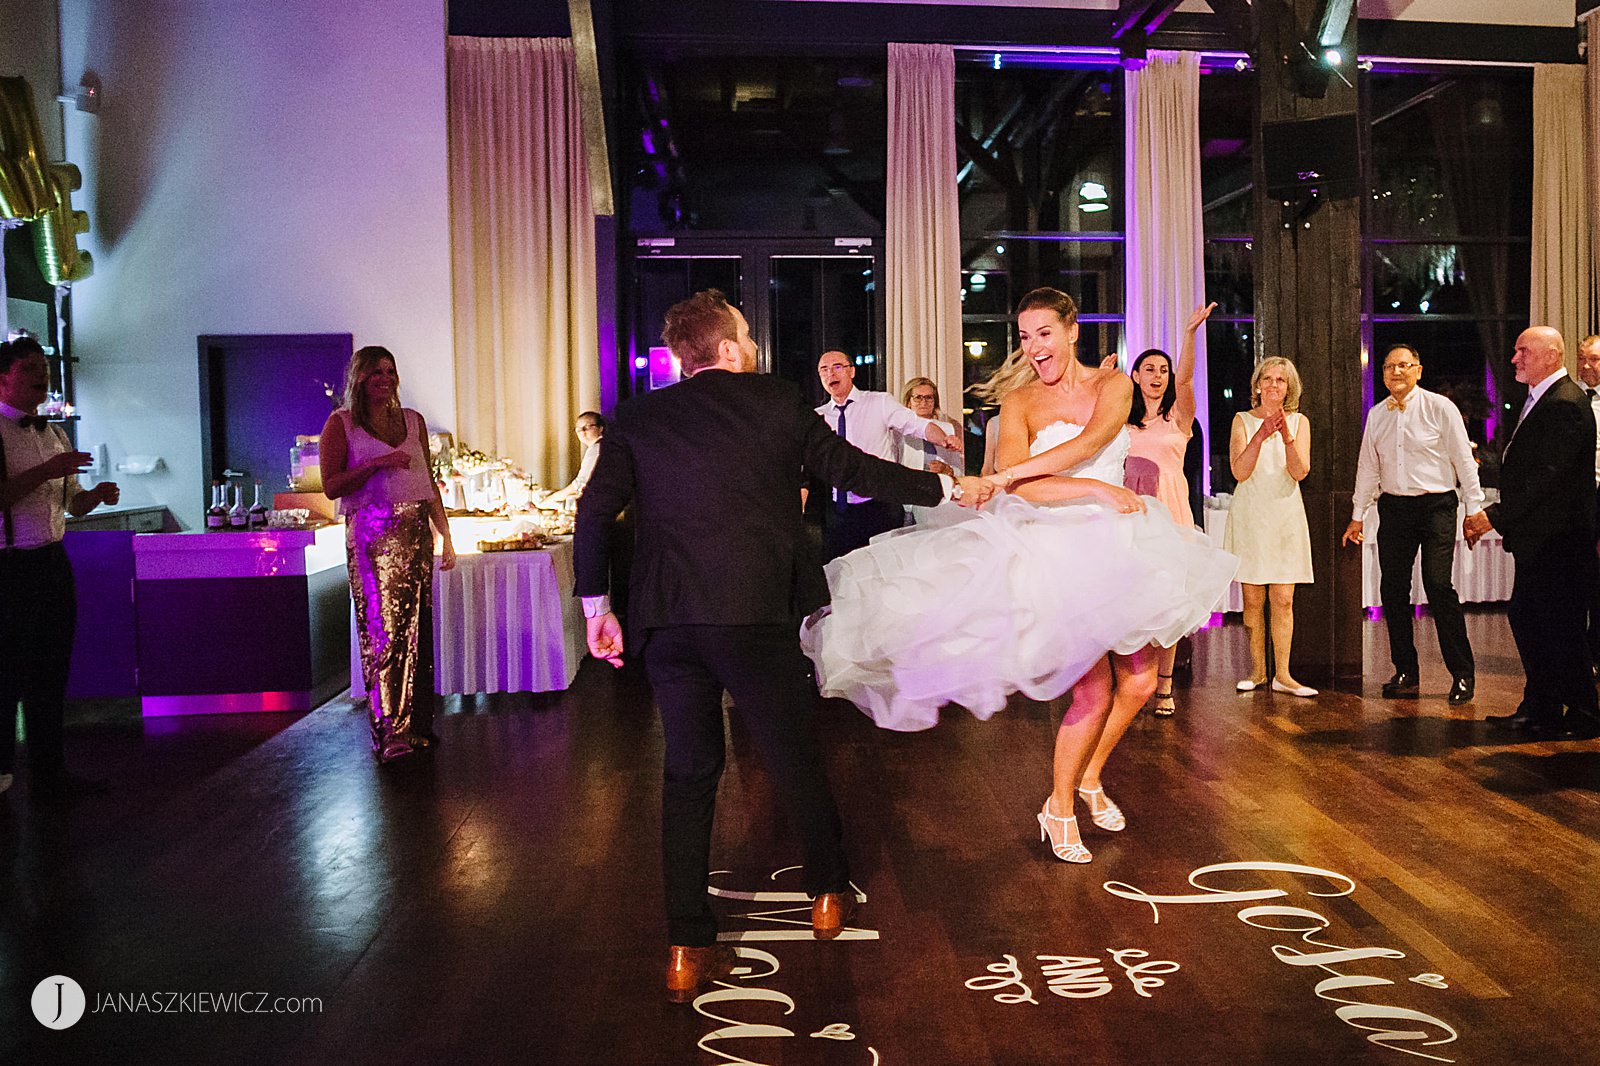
(1047, 589)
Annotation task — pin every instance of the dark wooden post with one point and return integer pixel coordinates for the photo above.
(1308, 308)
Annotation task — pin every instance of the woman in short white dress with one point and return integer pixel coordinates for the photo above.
(1270, 453)
(1037, 592)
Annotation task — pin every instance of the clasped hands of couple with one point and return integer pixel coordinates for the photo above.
(1473, 527)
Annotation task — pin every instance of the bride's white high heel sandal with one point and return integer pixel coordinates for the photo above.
(1061, 847)
(1102, 811)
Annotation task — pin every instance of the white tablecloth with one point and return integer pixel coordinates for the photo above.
(1481, 575)
(503, 622)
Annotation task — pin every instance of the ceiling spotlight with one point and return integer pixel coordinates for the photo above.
(996, 63)
(999, 249)
(1333, 57)
(1241, 64)
(1090, 209)
(975, 348)
(1365, 66)
(1092, 190)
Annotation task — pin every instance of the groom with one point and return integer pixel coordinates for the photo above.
(721, 576)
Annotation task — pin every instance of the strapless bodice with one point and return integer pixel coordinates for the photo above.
(1105, 465)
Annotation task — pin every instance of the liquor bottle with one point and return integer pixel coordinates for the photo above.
(216, 514)
(238, 514)
(258, 510)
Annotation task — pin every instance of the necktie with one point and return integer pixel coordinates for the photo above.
(33, 422)
(841, 497)
(1590, 392)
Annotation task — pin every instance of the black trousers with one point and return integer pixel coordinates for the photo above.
(1594, 595)
(38, 617)
(845, 531)
(1427, 523)
(1547, 615)
(763, 669)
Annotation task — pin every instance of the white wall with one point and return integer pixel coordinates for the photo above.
(256, 167)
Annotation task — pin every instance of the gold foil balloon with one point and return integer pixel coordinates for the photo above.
(39, 192)
(24, 192)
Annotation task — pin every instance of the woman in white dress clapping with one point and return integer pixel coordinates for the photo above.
(1270, 454)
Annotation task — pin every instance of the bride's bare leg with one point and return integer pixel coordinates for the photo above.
(1080, 731)
(1135, 683)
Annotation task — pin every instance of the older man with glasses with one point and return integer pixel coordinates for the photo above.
(1414, 452)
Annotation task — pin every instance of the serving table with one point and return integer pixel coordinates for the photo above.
(502, 621)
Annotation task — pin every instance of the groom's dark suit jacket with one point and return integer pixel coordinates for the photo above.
(712, 467)
(1547, 477)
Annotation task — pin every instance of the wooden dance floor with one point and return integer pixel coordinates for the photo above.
(502, 903)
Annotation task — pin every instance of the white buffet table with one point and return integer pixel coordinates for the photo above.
(502, 621)
(1481, 575)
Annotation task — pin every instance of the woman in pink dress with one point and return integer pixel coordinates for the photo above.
(1161, 422)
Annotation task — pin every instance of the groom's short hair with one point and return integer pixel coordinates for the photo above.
(696, 326)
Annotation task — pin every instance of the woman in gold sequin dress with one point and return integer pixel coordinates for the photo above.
(375, 462)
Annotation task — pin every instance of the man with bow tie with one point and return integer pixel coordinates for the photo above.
(1546, 517)
(38, 601)
(1414, 452)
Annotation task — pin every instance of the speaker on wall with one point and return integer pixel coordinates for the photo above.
(1318, 156)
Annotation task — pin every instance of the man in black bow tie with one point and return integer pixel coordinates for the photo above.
(38, 600)
(1414, 452)
(1546, 516)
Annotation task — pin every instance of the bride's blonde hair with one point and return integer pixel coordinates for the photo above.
(1018, 370)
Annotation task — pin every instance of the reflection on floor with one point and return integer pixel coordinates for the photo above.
(501, 903)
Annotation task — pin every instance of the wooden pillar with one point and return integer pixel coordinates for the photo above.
(1308, 309)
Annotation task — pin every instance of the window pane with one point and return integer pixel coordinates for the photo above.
(1041, 150)
(1450, 279)
(1227, 142)
(1230, 353)
(1451, 155)
(820, 304)
(1455, 358)
(1230, 276)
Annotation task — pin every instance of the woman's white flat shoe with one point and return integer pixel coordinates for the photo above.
(1248, 685)
(1304, 690)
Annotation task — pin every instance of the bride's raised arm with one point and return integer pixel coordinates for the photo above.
(1110, 414)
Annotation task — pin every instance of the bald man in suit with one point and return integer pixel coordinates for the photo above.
(1546, 518)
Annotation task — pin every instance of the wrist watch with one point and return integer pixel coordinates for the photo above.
(957, 492)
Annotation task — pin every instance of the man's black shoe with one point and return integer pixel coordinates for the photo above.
(1401, 686)
(1516, 720)
(1460, 691)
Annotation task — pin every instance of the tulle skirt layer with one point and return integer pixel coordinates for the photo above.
(1017, 598)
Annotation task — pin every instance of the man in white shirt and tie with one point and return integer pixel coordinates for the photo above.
(38, 600)
(868, 420)
(1414, 452)
(1589, 378)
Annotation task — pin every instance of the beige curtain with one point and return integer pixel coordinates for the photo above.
(1563, 279)
(522, 252)
(1591, 155)
(922, 284)
(1165, 238)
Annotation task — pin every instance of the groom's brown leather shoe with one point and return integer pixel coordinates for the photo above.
(691, 969)
(829, 912)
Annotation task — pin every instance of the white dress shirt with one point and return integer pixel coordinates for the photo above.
(871, 423)
(39, 518)
(916, 451)
(591, 455)
(1421, 449)
(1594, 405)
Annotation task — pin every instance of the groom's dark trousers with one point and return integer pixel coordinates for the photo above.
(722, 574)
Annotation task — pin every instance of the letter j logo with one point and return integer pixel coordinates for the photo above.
(58, 1002)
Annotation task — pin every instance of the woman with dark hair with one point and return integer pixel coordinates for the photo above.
(1039, 592)
(375, 462)
(1161, 421)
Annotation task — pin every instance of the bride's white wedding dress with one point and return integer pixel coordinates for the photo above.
(1016, 598)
